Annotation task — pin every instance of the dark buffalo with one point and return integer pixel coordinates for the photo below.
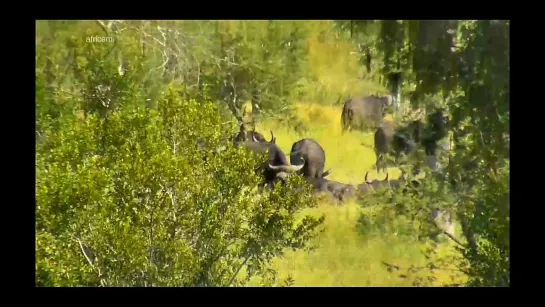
(389, 140)
(343, 192)
(413, 131)
(383, 140)
(244, 135)
(375, 185)
(277, 166)
(369, 186)
(337, 190)
(406, 139)
(313, 154)
(360, 113)
(429, 136)
(436, 130)
(378, 184)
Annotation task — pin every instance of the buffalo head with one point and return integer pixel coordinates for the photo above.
(277, 166)
(244, 135)
(388, 100)
(374, 185)
(255, 137)
(387, 104)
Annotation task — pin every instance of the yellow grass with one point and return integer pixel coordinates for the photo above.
(343, 257)
(336, 67)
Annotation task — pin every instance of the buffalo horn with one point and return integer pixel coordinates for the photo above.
(367, 174)
(286, 168)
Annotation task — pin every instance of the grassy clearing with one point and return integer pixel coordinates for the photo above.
(343, 256)
(336, 68)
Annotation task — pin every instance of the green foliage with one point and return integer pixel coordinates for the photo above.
(267, 63)
(463, 66)
(154, 210)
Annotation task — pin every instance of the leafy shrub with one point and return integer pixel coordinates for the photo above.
(150, 209)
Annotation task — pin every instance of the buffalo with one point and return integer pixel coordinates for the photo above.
(342, 192)
(401, 140)
(405, 139)
(244, 135)
(441, 218)
(429, 137)
(360, 113)
(313, 154)
(375, 184)
(383, 139)
(337, 190)
(435, 131)
(277, 167)
(387, 140)
(369, 186)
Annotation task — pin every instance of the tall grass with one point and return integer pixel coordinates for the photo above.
(335, 69)
(345, 256)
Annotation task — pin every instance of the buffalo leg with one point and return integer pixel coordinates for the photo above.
(380, 164)
(377, 164)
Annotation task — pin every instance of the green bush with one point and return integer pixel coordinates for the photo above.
(153, 209)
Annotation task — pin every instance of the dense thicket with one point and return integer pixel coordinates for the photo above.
(465, 65)
(125, 196)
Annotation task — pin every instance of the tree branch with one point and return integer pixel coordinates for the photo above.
(91, 259)
(453, 238)
(103, 26)
(238, 269)
(470, 237)
(86, 251)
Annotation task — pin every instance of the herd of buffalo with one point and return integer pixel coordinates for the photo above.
(307, 157)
